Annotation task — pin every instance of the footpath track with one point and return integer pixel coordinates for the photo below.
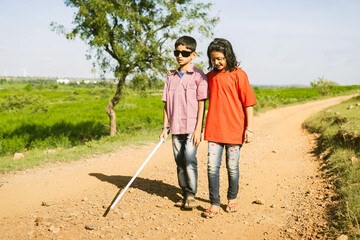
(277, 170)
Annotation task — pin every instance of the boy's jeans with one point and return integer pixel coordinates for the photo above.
(185, 157)
(232, 165)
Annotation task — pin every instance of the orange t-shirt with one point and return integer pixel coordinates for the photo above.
(230, 94)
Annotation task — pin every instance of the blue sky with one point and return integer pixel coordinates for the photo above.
(277, 41)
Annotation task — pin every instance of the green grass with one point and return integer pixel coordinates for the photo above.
(270, 98)
(339, 146)
(69, 116)
(37, 116)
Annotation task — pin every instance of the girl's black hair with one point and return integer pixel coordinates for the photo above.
(223, 46)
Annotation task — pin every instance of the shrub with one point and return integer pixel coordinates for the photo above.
(24, 102)
(29, 87)
(323, 85)
(60, 141)
(12, 145)
(143, 82)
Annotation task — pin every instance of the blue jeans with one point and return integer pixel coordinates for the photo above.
(215, 151)
(185, 158)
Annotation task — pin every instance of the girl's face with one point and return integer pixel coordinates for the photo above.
(218, 60)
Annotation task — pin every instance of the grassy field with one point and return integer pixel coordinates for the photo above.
(338, 129)
(270, 98)
(49, 122)
(60, 117)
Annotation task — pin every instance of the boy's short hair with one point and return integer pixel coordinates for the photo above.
(187, 41)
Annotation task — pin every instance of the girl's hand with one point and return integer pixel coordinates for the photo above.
(249, 135)
(171, 72)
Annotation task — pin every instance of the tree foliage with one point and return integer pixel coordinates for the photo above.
(132, 37)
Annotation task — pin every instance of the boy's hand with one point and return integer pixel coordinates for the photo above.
(196, 137)
(249, 135)
(163, 135)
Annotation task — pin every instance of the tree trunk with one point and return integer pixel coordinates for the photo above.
(111, 105)
(112, 117)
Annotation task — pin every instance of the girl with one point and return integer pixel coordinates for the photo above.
(229, 121)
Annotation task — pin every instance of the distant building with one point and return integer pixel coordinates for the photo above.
(63, 80)
(77, 81)
(89, 81)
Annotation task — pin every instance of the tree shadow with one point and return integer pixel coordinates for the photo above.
(74, 132)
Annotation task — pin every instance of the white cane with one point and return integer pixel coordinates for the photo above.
(137, 173)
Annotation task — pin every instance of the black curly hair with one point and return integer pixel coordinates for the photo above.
(223, 46)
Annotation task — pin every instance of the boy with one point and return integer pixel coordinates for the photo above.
(185, 93)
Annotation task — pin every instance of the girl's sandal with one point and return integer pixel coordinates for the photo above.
(190, 204)
(210, 213)
(180, 203)
(232, 207)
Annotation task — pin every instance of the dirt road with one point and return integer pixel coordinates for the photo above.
(67, 201)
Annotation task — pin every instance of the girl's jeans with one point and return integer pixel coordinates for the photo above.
(215, 151)
(185, 158)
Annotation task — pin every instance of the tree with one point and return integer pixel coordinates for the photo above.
(323, 85)
(130, 37)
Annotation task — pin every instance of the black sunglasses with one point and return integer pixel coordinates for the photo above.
(183, 53)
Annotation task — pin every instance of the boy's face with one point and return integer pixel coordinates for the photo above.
(182, 60)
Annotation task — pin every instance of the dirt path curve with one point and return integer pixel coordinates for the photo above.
(277, 168)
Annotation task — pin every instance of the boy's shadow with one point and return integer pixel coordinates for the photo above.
(157, 187)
